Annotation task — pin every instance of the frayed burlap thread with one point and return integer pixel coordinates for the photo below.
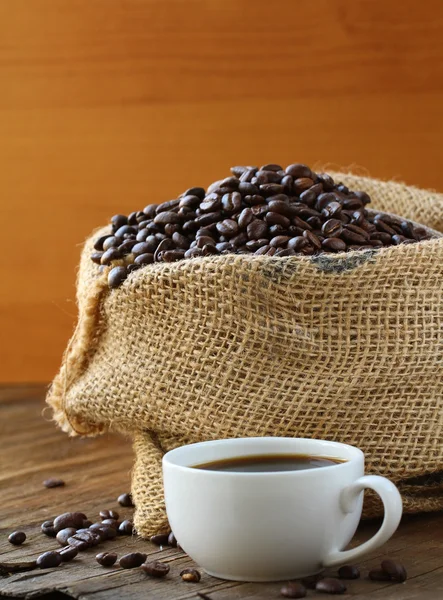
(346, 347)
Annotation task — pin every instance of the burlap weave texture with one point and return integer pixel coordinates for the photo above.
(346, 347)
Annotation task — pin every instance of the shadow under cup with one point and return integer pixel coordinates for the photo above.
(262, 526)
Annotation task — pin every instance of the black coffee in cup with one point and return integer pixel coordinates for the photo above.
(266, 463)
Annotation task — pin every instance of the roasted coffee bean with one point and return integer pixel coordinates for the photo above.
(349, 572)
(211, 203)
(270, 189)
(315, 223)
(111, 523)
(67, 553)
(64, 534)
(293, 590)
(379, 575)
(331, 210)
(155, 568)
(195, 191)
(279, 240)
(352, 238)
(273, 218)
(271, 167)
(298, 170)
(312, 239)
(334, 244)
(385, 238)
(382, 226)
(50, 559)
(118, 221)
(398, 239)
(106, 559)
(132, 560)
(48, 528)
(126, 527)
(111, 242)
(395, 570)
(332, 228)
(172, 540)
(297, 243)
(17, 538)
(329, 585)
(116, 276)
(125, 500)
(257, 230)
(69, 519)
(284, 252)
(160, 539)
(228, 227)
(190, 575)
(231, 202)
(173, 255)
(247, 189)
(245, 217)
(125, 230)
(167, 206)
(143, 259)
(167, 216)
(110, 255)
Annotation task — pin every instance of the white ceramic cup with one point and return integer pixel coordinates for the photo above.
(271, 526)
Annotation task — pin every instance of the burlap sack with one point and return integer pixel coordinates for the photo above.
(346, 347)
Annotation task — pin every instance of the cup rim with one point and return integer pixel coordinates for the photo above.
(167, 459)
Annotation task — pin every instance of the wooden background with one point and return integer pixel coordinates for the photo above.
(107, 105)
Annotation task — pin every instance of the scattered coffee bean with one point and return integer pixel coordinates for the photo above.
(172, 540)
(155, 568)
(50, 559)
(106, 559)
(349, 572)
(132, 560)
(52, 483)
(293, 590)
(111, 523)
(395, 570)
(190, 575)
(69, 519)
(64, 534)
(125, 500)
(329, 585)
(68, 553)
(7, 568)
(311, 581)
(379, 575)
(160, 539)
(17, 538)
(126, 527)
(109, 514)
(48, 528)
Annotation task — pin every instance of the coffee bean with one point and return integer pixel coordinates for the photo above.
(48, 528)
(118, 221)
(167, 206)
(63, 535)
(155, 568)
(293, 590)
(17, 538)
(334, 244)
(160, 539)
(106, 559)
(256, 230)
(270, 189)
(332, 228)
(132, 560)
(328, 585)
(67, 553)
(331, 210)
(349, 572)
(166, 217)
(110, 255)
(173, 255)
(398, 239)
(311, 581)
(125, 230)
(69, 519)
(395, 570)
(111, 523)
(228, 227)
(312, 239)
(172, 540)
(299, 170)
(245, 217)
(352, 238)
(379, 575)
(301, 184)
(47, 560)
(279, 240)
(126, 527)
(273, 218)
(143, 259)
(263, 250)
(116, 276)
(125, 500)
(190, 575)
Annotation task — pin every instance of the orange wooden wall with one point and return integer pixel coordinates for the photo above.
(106, 105)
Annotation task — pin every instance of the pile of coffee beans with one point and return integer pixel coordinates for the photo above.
(268, 211)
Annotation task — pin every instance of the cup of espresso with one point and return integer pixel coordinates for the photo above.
(269, 508)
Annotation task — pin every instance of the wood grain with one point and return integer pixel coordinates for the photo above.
(107, 106)
(96, 471)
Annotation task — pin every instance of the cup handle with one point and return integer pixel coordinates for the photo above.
(392, 504)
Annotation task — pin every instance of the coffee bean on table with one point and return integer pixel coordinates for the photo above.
(132, 560)
(47, 528)
(172, 540)
(52, 483)
(126, 527)
(394, 569)
(293, 590)
(69, 519)
(329, 585)
(50, 559)
(64, 534)
(349, 572)
(190, 575)
(106, 559)
(379, 575)
(155, 568)
(160, 539)
(17, 538)
(68, 553)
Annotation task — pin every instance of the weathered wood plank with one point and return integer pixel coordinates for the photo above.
(96, 471)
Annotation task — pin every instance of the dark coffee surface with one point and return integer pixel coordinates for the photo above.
(268, 463)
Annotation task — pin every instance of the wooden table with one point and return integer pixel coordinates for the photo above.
(96, 471)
